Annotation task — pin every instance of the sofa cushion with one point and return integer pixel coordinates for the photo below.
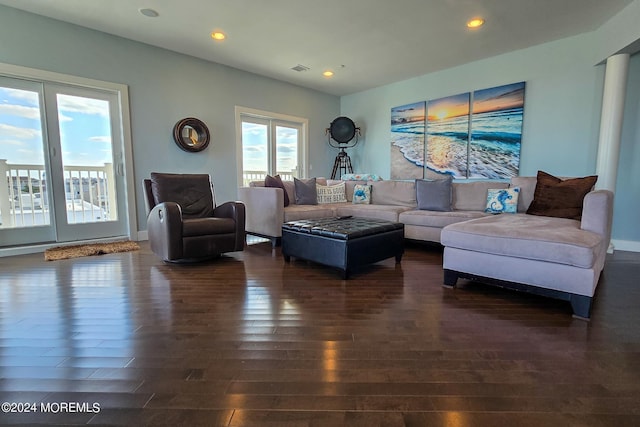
(396, 193)
(437, 219)
(191, 191)
(527, 186)
(472, 196)
(276, 182)
(504, 200)
(560, 198)
(296, 212)
(306, 193)
(207, 226)
(434, 195)
(386, 212)
(557, 240)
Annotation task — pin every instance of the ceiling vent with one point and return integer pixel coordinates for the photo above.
(300, 68)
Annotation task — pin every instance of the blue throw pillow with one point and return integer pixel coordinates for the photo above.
(362, 194)
(502, 200)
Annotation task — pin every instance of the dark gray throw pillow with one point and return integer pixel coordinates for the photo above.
(276, 182)
(434, 195)
(305, 190)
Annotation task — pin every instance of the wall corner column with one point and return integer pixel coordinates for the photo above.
(613, 97)
(615, 87)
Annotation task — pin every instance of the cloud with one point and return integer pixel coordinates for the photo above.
(76, 104)
(20, 111)
(253, 149)
(19, 132)
(12, 142)
(32, 98)
(100, 139)
(287, 149)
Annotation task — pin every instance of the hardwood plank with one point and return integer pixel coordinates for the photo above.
(248, 339)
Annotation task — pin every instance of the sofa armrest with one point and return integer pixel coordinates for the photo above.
(235, 211)
(264, 210)
(597, 213)
(164, 226)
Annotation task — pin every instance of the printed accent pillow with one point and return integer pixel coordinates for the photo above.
(560, 198)
(503, 200)
(362, 194)
(305, 190)
(360, 177)
(276, 182)
(331, 193)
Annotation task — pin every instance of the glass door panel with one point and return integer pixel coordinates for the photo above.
(256, 154)
(287, 141)
(25, 214)
(88, 191)
(87, 159)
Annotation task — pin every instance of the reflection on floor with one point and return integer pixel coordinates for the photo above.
(248, 340)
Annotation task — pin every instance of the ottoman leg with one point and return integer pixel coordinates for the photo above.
(399, 258)
(450, 278)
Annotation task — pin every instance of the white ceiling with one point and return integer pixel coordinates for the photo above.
(368, 43)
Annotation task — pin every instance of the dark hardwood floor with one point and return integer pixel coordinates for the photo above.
(248, 340)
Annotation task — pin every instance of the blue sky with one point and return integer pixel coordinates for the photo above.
(255, 149)
(84, 128)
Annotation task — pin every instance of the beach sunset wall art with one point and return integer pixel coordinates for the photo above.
(407, 141)
(496, 132)
(471, 135)
(448, 136)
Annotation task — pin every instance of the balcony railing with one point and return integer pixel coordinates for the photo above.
(248, 176)
(90, 194)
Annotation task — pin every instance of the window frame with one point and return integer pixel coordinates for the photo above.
(275, 119)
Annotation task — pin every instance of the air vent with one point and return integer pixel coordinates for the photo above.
(300, 68)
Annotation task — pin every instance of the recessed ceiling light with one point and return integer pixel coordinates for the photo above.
(150, 13)
(475, 23)
(327, 73)
(218, 35)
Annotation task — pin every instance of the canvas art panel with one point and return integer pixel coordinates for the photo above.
(407, 141)
(496, 132)
(471, 135)
(447, 136)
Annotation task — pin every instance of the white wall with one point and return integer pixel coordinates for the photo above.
(561, 118)
(165, 87)
(561, 115)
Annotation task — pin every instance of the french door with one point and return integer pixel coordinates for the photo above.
(61, 163)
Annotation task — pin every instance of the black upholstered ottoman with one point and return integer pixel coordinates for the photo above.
(345, 243)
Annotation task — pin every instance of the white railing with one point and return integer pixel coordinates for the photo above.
(90, 194)
(248, 176)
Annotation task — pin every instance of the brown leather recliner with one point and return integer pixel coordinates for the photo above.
(183, 222)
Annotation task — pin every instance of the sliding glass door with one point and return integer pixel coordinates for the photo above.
(61, 152)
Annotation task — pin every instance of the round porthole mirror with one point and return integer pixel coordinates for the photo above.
(191, 134)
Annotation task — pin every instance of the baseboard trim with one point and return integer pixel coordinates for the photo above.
(143, 235)
(626, 245)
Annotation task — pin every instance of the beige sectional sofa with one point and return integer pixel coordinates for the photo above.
(390, 200)
(557, 257)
